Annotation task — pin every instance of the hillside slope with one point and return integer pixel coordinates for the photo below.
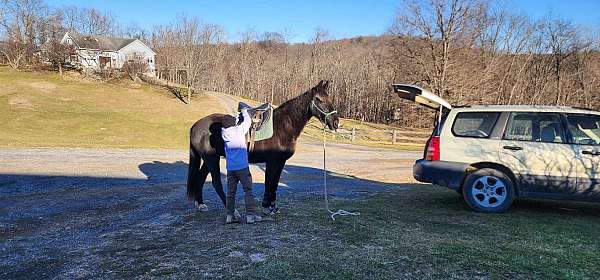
(44, 110)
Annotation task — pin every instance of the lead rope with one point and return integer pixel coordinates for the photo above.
(339, 212)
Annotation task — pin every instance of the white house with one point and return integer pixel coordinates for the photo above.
(101, 52)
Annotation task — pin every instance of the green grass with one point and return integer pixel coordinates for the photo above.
(426, 232)
(42, 109)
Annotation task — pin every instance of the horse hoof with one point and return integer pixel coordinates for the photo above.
(201, 206)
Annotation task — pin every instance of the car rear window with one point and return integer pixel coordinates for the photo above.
(474, 124)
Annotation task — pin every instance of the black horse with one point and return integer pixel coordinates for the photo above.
(206, 144)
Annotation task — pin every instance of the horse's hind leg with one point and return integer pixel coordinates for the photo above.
(215, 174)
(199, 184)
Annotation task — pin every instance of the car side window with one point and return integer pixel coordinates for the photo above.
(584, 128)
(474, 124)
(535, 127)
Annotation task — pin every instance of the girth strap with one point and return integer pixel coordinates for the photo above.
(252, 133)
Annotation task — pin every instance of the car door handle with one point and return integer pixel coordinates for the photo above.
(513, 148)
(593, 153)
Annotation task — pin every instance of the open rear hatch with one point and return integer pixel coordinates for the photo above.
(426, 98)
(421, 96)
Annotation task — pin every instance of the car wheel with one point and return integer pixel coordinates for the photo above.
(488, 190)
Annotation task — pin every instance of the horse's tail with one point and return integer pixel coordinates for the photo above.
(193, 173)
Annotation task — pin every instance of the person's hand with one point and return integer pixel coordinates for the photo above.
(240, 118)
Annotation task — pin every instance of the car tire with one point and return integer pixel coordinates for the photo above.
(488, 190)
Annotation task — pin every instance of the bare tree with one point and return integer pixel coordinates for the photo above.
(563, 41)
(50, 33)
(19, 19)
(196, 40)
(89, 21)
(135, 66)
(133, 30)
(320, 35)
(434, 32)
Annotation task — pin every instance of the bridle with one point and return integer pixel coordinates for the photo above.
(324, 114)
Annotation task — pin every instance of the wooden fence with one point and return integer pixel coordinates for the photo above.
(389, 136)
(392, 136)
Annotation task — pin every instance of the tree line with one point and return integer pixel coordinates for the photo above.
(467, 51)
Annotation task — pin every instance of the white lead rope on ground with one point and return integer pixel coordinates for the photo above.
(339, 212)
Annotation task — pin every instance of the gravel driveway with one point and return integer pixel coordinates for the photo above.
(71, 213)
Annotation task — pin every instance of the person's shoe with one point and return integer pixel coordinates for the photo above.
(201, 206)
(275, 209)
(267, 211)
(257, 218)
(231, 219)
(250, 219)
(236, 214)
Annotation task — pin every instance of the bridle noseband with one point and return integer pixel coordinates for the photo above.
(325, 115)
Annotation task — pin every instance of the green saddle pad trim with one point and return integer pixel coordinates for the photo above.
(266, 131)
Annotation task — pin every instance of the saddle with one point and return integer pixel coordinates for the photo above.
(262, 123)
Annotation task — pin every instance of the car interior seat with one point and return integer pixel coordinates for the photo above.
(549, 134)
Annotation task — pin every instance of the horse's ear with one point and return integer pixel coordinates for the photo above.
(326, 85)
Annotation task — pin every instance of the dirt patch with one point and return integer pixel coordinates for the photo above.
(134, 85)
(44, 87)
(20, 102)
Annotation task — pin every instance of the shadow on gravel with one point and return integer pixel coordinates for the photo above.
(90, 227)
(156, 172)
(84, 227)
(294, 179)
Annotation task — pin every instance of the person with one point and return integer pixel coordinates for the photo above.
(236, 156)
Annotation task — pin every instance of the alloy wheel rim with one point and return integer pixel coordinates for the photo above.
(488, 191)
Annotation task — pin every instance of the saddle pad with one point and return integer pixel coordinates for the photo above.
(265, 131)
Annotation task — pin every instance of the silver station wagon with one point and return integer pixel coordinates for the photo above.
(495, 154)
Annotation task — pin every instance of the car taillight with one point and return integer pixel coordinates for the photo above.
(433, 149)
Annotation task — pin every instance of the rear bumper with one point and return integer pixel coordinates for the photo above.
(444, 173)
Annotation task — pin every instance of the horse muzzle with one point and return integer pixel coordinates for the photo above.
(333, 123)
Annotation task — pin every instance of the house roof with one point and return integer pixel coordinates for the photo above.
(98, 42)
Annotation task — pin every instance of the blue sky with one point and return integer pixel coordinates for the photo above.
(299, 18)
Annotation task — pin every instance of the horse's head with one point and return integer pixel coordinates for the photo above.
(321, 106)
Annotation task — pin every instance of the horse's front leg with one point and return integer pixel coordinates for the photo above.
(272, 175)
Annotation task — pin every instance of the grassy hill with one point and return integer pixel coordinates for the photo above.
(43, 109)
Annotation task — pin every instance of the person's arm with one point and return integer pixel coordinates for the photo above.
(247, 121)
